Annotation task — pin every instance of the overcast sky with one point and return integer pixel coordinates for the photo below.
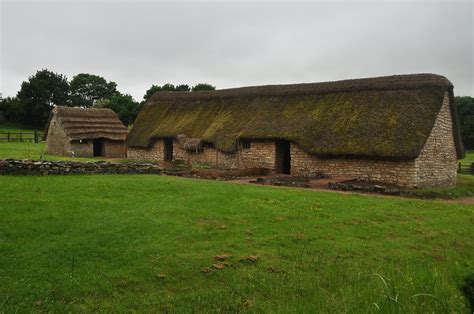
(137, 44)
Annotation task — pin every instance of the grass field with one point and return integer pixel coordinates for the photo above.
(114, 243)
(469, 157)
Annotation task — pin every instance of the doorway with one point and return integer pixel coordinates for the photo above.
(168, 149)
(97, 147)
(282, 157)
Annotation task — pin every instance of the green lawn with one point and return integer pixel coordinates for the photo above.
(34, 151)
(143, 243)
(469, 157)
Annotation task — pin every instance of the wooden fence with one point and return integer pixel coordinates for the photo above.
(466, 168)
(33, 137)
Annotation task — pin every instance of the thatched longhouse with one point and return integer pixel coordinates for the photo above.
(85, 132)
(397, 129)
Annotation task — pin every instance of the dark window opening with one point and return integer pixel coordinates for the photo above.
(97, 147)
(168, 149)
(245, 144)
(208, 145)
(282, 157)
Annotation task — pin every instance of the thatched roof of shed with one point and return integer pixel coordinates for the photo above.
(385, 117)
(88, 123)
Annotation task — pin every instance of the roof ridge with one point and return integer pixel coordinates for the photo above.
(392, 82)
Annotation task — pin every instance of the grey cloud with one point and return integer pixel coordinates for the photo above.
(137, 44)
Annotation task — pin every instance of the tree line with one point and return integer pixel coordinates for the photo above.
(465, 110)
(37, 96)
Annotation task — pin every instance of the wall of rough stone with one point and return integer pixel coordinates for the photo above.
(82, 148)
(57, 143)
(437, 163)
(260, 155)
(114, 149)
(155, 153)
(30, 167)
(395, 172)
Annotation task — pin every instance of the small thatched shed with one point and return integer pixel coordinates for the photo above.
(85, 132)
(400, 129)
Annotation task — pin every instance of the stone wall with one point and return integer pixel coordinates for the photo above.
(395, 172)
(29, 167)
(155, 153)
(83, 148)
(57, 143)
(114, 149)
(261, 154)
(437, 163)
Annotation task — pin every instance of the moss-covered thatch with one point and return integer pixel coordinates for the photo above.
(386, 118)
(88, 123)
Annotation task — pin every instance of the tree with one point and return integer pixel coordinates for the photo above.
(465, 110)
(10, 109)
(38, 95)
(168, 87)
(87, 89)
(202, 86)
(182, 88)
(152, 90)
(123, 105)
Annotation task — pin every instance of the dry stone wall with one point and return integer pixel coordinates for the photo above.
(30, 167)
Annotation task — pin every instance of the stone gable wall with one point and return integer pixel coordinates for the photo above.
(437, 163)
(57, 143)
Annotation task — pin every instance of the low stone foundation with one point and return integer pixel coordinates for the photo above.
(30, 167)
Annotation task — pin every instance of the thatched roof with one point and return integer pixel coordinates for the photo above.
(385, 118)
(89, 123)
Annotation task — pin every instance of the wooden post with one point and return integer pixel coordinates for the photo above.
(8, 136)
(21, 137)
(36, 136)
(472, 168)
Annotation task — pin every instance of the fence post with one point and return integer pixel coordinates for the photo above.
(8, 136)
(36, 136)
(472, 168)
(21, 137)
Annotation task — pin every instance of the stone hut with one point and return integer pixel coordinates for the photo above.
(85, 132)
(398, 129)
